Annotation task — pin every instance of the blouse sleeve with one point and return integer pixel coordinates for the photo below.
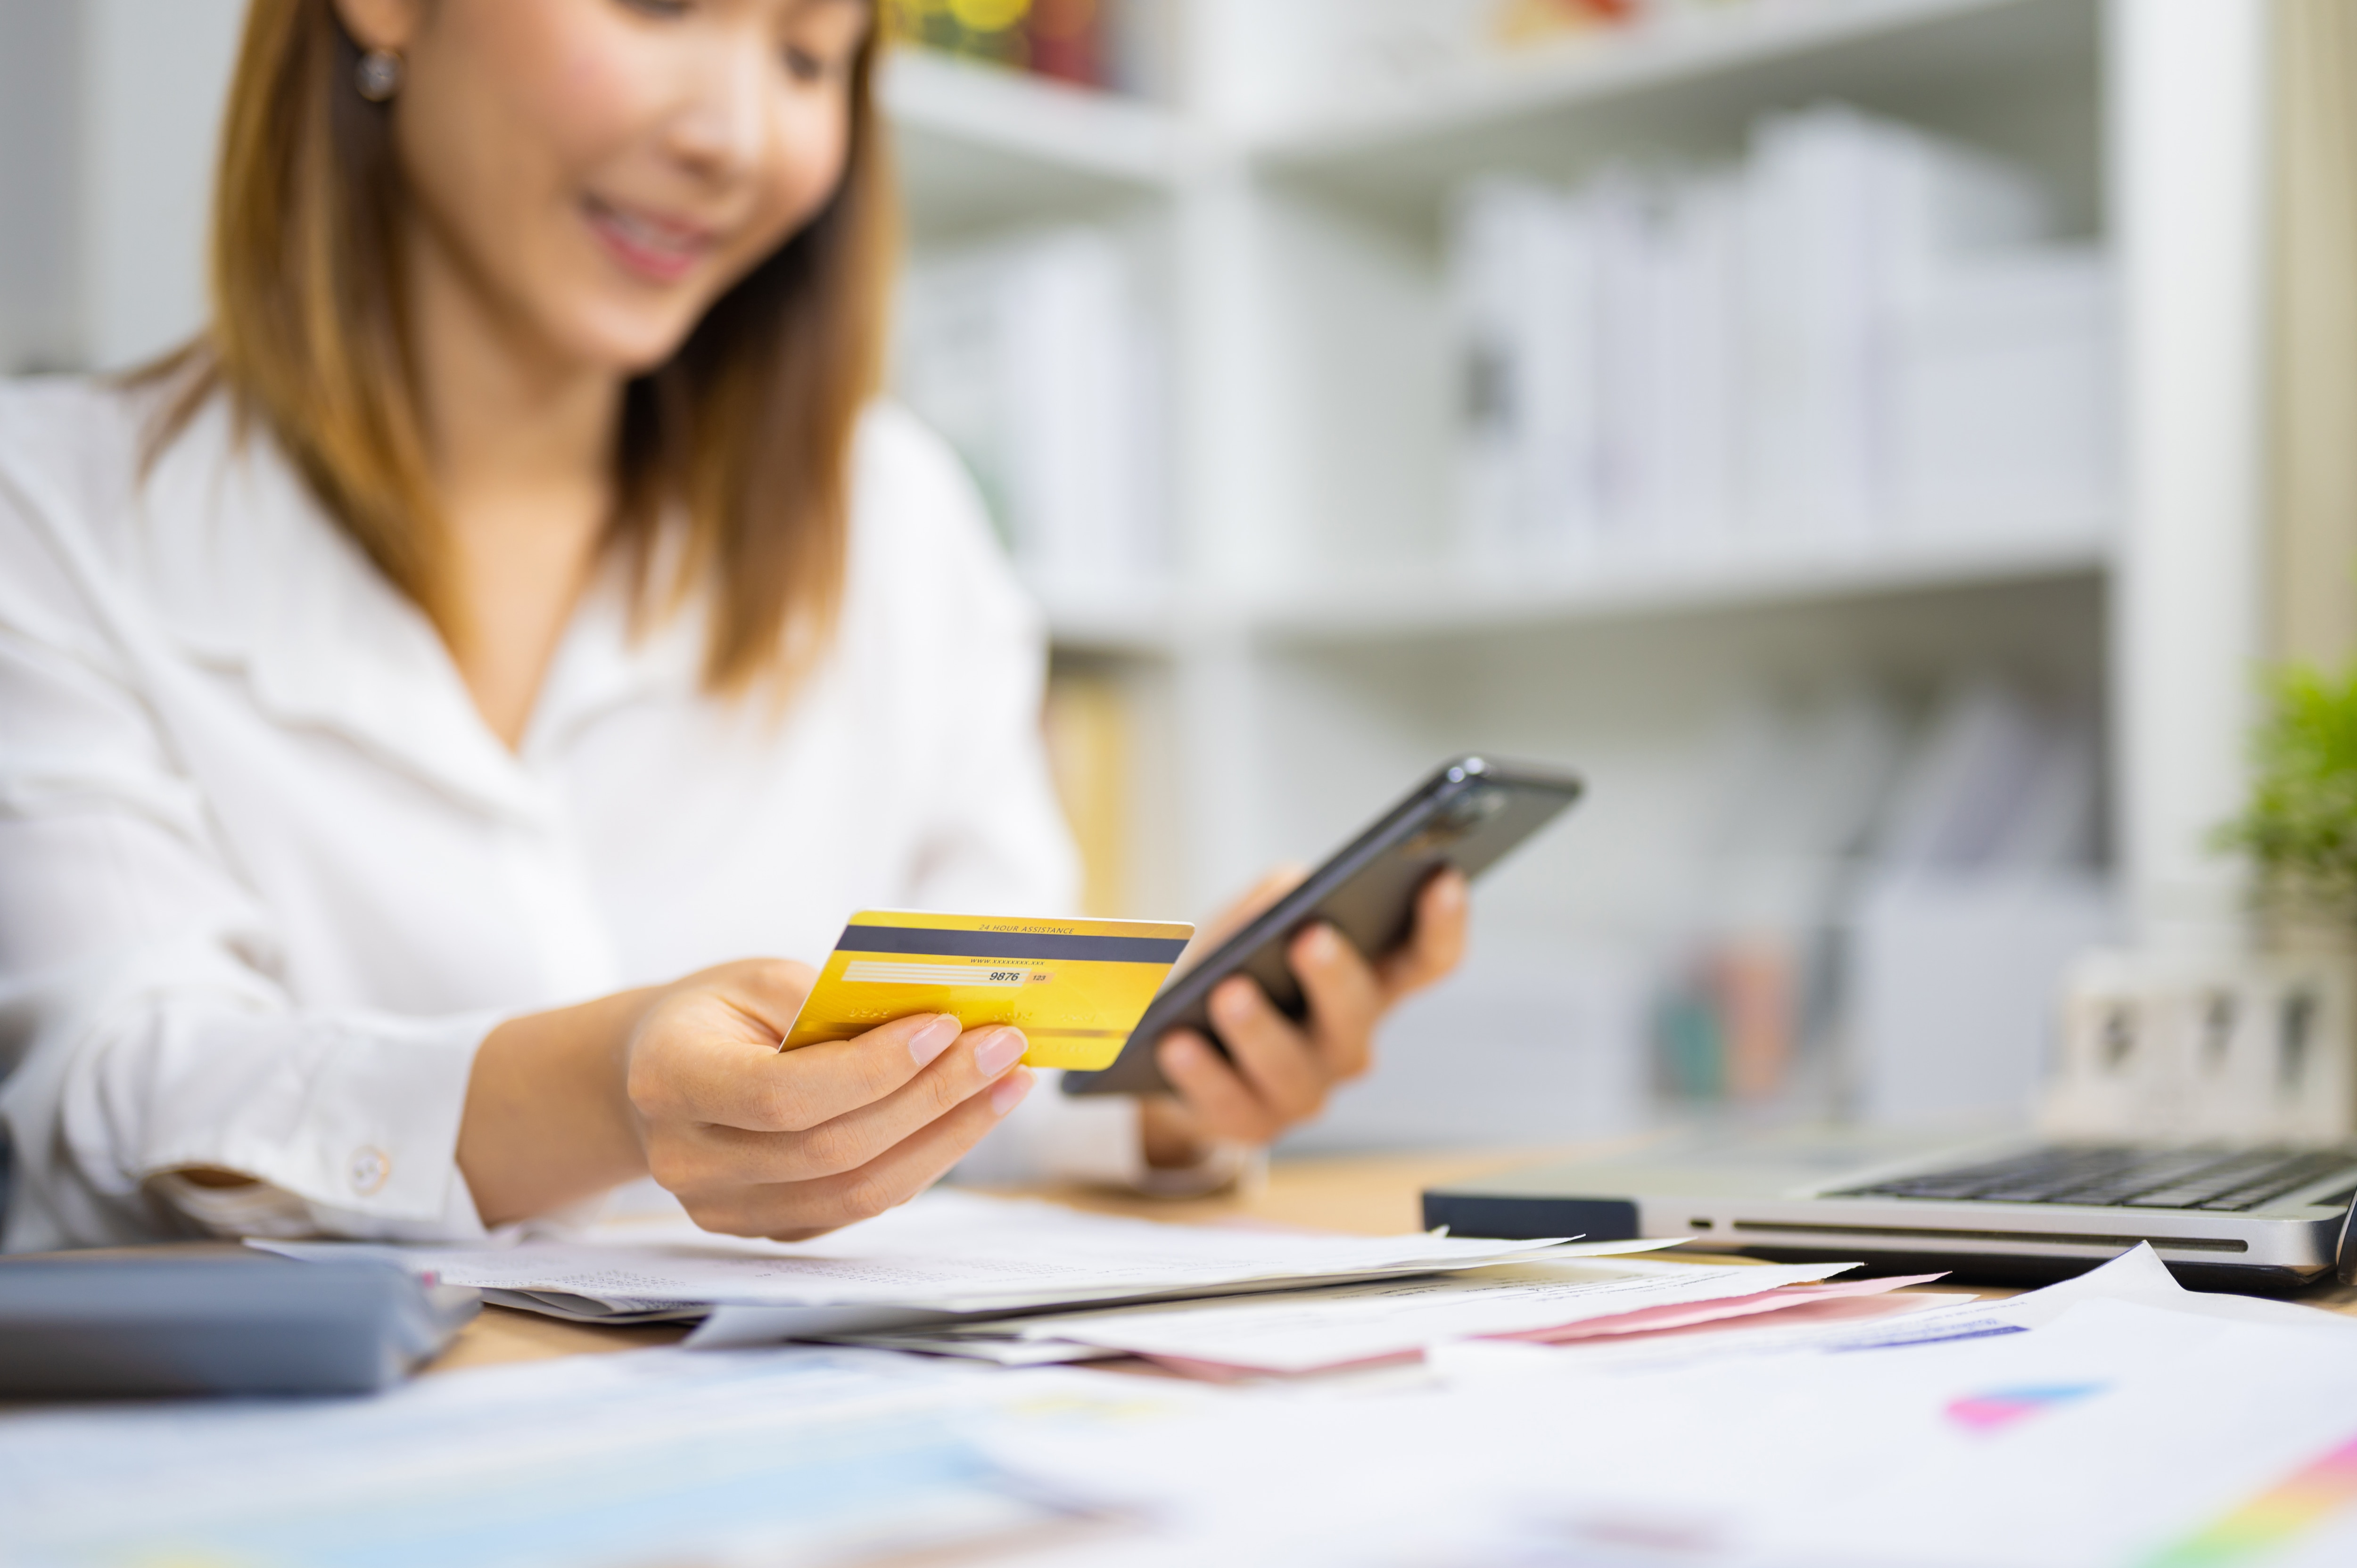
(143, 1030)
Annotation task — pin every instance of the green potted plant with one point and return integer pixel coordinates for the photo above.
(2299, 830)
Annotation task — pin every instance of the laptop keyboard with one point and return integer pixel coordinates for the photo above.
(2218, 1180)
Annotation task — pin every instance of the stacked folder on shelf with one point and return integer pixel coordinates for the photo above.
(1860, 332)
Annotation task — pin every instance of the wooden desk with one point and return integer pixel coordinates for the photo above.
(1373, 1195)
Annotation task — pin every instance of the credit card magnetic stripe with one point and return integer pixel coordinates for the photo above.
(1009, 944)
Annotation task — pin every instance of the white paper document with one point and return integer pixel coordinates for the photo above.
(946, 1252)
(1300, 1331)
(2139, 1275)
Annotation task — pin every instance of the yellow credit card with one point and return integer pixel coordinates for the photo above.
(1076, 988)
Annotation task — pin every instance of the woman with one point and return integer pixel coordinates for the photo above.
(513, 597)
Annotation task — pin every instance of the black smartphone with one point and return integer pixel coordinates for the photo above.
(1468, 815)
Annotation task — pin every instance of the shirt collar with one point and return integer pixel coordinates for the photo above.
(246, 571)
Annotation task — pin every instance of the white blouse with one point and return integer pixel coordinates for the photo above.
(267, 879)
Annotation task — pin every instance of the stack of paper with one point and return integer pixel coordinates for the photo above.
(946, 1255)
(1357, 1326)
(1026, 1283)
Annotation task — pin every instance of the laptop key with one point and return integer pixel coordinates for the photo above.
(2187, 1187)
(2177, 1175)
(2172, 1198)
(2111, 1176)
(2119, 1194)
(2289, 1177)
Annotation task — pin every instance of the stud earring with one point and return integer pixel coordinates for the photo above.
(377, 76)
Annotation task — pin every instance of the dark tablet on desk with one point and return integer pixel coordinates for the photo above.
(213, 1320)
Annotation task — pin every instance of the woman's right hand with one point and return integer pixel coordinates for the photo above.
(686, 1082)
(759, 1141)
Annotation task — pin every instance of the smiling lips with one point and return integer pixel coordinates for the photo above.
(654, 248)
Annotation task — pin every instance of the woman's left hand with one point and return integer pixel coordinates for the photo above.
(1277, 1071)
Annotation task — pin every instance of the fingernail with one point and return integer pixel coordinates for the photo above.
(1005, 1097)
(1318, 944)
(933, 1040)
(1232, 1002)
(998, 1053)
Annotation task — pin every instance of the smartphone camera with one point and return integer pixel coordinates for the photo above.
(1476, 806)
(1459, 817)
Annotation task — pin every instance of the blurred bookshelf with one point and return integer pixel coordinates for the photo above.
(1321, 607)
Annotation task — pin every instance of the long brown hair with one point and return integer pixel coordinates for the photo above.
(745, 432)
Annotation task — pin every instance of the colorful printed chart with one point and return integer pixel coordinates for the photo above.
(1999, 1408)
(2272, 1519)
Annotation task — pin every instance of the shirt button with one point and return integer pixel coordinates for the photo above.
(369, 1169)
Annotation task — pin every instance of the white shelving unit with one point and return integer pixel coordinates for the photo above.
(1316, 643)
(1403, 603)
(979, 145)
(1149, 620)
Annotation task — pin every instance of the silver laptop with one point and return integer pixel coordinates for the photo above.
(1999, 1208)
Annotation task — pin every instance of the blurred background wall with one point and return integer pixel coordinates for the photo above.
(108, 109)
(1835, 426)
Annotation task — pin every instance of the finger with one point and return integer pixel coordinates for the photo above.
(769, 991)
(701, 1033)
(705, 1159)
(1221, 1103)
(793, 1211)
(1346, 998)
(1438, 944)
(707, 1067)
(1273, 1052)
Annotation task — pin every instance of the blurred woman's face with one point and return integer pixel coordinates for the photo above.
(600, 171)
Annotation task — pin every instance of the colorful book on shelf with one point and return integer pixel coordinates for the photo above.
(1069, 40)
(1729, 1030)
(1087, 723)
